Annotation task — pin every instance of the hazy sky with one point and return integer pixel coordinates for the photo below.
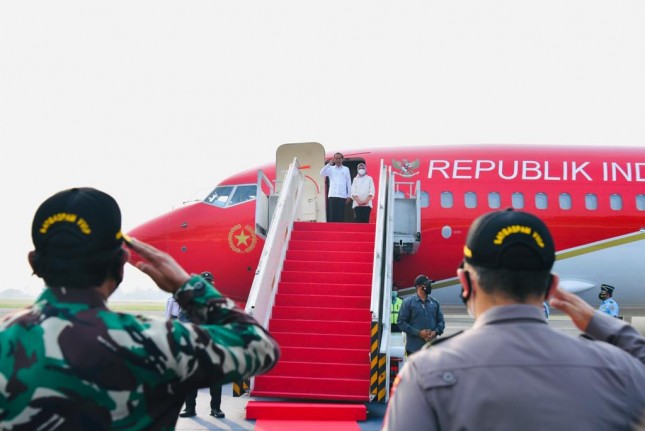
(155, 102)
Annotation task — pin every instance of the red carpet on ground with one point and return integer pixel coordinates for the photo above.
(301, 425)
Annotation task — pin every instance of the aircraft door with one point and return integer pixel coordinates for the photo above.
(311, 156)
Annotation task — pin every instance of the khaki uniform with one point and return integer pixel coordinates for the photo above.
(513, 371)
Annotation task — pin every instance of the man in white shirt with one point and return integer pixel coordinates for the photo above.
(340, 184)
(172, 308)
(362, 194)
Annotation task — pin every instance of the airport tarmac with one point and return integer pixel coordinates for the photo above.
(235, 407)
(235, 410)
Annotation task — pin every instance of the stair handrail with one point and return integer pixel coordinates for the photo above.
(380, 297)
(377, 263)
(386, 340)
(267, 275)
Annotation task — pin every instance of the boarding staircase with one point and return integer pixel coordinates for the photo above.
(321, 317)
(321, 290)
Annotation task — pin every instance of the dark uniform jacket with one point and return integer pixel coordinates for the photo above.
(416, 315)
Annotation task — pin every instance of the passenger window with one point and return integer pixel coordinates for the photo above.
(470, 200)
(541, 201)
(616, 202)
(243, 194)
(219, 196)
(494, 200)
(591, 201)
(565, 201)
(446, 200)
(425, 200)
(517, 200)
(640, 202)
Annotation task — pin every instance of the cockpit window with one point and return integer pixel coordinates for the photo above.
(243, 194)
(219, 196)
(224, 196)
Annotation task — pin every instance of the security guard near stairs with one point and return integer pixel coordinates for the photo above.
(395, 308)
(420, 316)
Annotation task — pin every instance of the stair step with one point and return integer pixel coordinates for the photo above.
(296, 287)
(307, 385)
(300, 313)
(316, 354)
(331, 255)
(325, 277)
(355, 237)
(320, 370)
(305, 411)
(320, 265)
(310, 395)
(330, 341)
(337, 246)
(334, 227)
(325, 301)
(319, 327)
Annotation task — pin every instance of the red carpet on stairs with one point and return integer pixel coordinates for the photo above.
(321, 317)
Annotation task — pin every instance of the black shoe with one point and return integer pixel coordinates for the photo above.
(217, 413)
(187, 414)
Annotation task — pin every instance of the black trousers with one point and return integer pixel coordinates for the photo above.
(216, 397)
(336, 209)
(362, 214)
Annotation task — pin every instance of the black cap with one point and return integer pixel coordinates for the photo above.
(422, 280)
(78, 223)
(607, 288)
(208, 276)
(510, 239)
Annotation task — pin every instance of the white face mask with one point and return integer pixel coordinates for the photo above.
(361, 172)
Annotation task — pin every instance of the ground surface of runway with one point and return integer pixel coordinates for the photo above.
(234, 407)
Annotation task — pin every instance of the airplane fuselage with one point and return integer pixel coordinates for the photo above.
(592, 199)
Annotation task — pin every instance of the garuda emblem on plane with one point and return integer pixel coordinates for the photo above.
(242, 239)
(405, 168)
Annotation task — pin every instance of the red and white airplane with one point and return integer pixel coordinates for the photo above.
(592, 199)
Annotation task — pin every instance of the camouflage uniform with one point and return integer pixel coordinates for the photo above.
(68, 362)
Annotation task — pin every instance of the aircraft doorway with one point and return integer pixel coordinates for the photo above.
(352, 164)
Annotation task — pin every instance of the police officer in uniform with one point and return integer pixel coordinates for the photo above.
(608, 306)
(512, 370)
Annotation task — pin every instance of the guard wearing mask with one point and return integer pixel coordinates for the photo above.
(420, 316)
(396, 307)
(512, 370)
(608, 306)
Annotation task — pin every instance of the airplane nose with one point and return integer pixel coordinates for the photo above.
(157, 232)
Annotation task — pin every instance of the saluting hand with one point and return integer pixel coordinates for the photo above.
(579, 311)
(160, 266)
